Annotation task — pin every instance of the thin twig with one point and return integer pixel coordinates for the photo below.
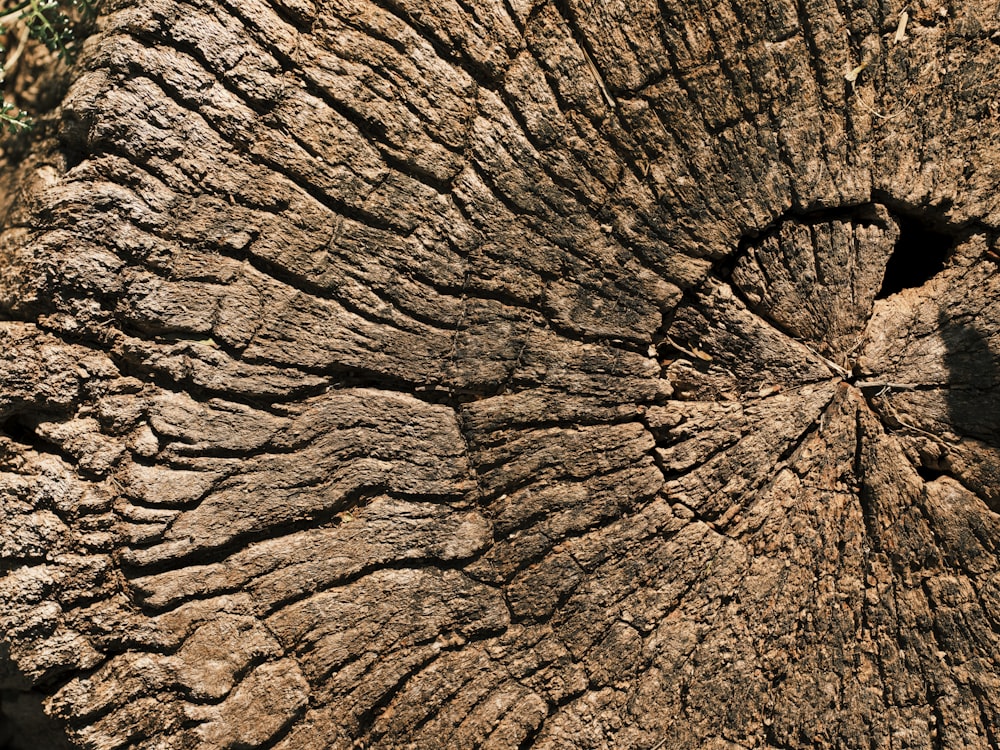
(885, 385)
(901, 28)
(10, 64)
(597, 77)
(872, 111)
(695, 354)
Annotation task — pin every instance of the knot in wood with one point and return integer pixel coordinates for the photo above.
(816, 278)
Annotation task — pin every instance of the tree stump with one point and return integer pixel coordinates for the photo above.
(505, 374)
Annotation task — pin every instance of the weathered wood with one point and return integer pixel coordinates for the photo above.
(397, 373)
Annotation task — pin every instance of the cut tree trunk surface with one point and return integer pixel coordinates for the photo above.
(506, 374)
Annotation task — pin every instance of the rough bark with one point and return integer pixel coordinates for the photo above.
(506, 374)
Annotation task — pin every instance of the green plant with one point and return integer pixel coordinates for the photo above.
(56, 24)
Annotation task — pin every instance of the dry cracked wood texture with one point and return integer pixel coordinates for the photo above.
(506, 374)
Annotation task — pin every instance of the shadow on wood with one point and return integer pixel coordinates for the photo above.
(973, 396)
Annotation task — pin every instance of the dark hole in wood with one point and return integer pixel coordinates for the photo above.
(15, 428)
(920, 253)
(25, 726)
(928, 474)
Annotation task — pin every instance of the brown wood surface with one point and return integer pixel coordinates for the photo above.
(505, 374)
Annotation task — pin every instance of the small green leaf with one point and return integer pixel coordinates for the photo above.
(15, 123)
(55, 24)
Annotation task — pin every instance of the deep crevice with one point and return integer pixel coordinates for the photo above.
(920, 254)
(929, 474)
(863, 214)
(16, 427)
(922, 250)
(24, 724)
(22, 429)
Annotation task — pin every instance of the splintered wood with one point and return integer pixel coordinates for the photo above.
(438, 374)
